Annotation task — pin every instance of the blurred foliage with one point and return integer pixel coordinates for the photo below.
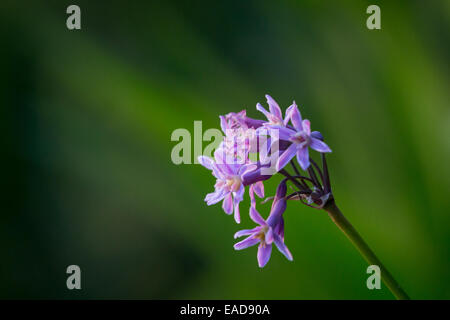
(87, 118)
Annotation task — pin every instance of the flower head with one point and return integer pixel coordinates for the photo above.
(276, 141)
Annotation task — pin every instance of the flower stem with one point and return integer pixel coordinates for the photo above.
(351, 233)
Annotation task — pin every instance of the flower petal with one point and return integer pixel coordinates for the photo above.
(223, 124)
(256, 217)
(247, 168)
(246, 232)
(264, 251)
(274, 107)
(282, 247)
(288, 112)
(237, 215)
(254, 214)
(260, 108)
(269, 236)
(247, 242)
(214, 197)
(303, 158)
(286, 156)
(206, 162)
(222, 158)
(277, 131)
(296, 118)
(217, 172)
(319, 146)
(278, 208)
(228, 204)
(306, 125)
(239, 195)
(258, 187)
(279, 229)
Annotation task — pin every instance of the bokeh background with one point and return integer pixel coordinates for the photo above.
(87, 118)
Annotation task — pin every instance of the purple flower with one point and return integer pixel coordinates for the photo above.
(275, 142)
(301, 138)
(269, 231)
(229, 185)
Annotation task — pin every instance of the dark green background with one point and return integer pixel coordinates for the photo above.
(87, 118)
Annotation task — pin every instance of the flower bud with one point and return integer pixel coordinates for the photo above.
(281, 190)
(317, 135)
(253, 176)
(276, 213)
(253, 123)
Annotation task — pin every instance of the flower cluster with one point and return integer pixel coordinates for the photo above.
(276, 141)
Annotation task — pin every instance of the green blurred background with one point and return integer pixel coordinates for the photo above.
(87, 118)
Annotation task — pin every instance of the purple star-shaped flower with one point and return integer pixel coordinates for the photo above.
(301, 138)
(269, 231)
(229, 184)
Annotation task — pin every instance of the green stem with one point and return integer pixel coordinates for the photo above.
(346, 227)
